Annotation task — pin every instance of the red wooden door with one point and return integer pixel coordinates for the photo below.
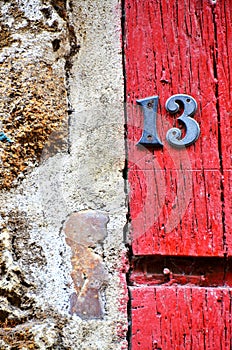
(180, 198)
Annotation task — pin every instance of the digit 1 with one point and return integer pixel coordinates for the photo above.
(149, 136)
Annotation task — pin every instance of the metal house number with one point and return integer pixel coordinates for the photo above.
(173, 104)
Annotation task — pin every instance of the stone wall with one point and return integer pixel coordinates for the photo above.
(62, 194)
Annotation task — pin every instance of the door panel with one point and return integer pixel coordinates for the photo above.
(173, 212)
(227, 181)
(180, 199)
(179, 318)
(180, 47)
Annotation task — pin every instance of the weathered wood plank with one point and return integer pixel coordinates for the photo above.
(223, 74)
(176, 212)
(227, 182)
(181, 318)
(169, 270)
(169, 50)
(180, 47)
(180, 200)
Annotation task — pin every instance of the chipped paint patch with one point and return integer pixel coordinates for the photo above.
(86, 231)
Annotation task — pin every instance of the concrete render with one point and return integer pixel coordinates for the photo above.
(63, 205)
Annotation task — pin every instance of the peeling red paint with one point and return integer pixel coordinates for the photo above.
(180, 199)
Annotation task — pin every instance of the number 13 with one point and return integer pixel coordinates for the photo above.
(173, 104)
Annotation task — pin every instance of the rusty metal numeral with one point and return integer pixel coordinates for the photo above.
(149, 136)
(174, 135)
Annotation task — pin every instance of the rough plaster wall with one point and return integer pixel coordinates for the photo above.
(62, 193)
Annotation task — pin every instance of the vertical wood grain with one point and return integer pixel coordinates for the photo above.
(181, 318)
(180, 200)
(180, 47)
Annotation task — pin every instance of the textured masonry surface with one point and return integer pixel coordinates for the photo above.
(62, 281)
